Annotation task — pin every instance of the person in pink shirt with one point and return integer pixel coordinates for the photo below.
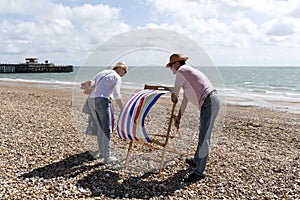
(198, 90)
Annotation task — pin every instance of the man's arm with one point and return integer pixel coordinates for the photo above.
(181, 111)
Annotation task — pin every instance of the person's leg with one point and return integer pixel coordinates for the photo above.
(209, 112)
(208, 116)
(104, 118)
(103, 112)
(95, 119)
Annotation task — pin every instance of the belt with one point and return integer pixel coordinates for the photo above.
(212, 92)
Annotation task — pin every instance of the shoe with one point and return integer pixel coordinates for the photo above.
(191, 162)
(193, 177)
(96, 155)
(110, 160)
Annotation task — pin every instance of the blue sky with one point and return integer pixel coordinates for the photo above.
(232, 32)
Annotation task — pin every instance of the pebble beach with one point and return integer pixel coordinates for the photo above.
(43, 156)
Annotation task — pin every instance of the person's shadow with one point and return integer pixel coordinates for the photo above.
(107, 181)
(110, 184)
(68, 167)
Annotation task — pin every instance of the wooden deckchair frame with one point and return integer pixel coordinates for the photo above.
(156, 144)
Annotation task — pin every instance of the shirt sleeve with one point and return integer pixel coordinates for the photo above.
(179, 80)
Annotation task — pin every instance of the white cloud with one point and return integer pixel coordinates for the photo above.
(294, 10)
(64, 34)
(235, 24)
(97, 14)
(280, 27)
(68, 33)
(244, 26)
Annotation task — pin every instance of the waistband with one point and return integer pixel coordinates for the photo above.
(212, 92)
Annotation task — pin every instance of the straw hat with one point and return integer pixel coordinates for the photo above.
(121, 64)
(176, 57)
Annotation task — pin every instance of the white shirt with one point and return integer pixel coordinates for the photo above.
(107, 82)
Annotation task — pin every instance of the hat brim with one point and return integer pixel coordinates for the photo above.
(174, 61)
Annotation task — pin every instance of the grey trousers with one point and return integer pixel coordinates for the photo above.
(100, 112)
(208, 114)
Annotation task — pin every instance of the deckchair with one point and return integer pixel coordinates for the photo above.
(131, 122)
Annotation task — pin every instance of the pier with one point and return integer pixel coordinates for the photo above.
(33, 66)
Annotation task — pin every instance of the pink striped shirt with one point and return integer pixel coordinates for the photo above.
(195, 84)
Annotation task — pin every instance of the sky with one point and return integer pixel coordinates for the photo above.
(231, 32)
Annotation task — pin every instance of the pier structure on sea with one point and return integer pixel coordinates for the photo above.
(33, 66)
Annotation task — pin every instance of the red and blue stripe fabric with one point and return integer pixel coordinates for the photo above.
(132, 117)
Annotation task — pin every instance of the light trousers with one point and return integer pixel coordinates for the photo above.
(208, 114)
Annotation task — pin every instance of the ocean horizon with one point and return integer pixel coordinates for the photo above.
(264, 86)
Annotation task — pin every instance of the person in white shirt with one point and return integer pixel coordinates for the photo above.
(199, 91)
(105, 84)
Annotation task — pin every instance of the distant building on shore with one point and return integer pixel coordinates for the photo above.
(33, 66)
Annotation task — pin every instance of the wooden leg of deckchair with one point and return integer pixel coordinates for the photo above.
(128, 152)
(167, 138)
(179, 133)
(162, 159)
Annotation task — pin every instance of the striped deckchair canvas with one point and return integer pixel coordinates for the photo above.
(131, 120)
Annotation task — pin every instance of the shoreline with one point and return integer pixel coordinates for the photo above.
(291, 106)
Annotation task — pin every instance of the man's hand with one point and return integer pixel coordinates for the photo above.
(174, 98)
(177, 122)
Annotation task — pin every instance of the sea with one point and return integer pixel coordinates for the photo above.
(270, 87)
